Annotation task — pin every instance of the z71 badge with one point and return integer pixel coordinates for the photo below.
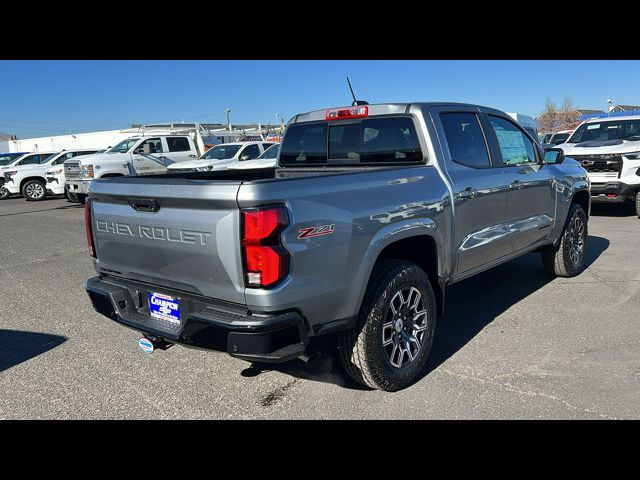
(316, 231)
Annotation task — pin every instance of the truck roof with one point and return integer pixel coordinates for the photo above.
(612, 119)
(384, 109)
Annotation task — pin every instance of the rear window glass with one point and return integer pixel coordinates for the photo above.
(371, 140)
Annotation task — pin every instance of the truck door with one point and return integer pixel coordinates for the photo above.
(179, 149)
(479, 190)
(531, 202)
(147, 157)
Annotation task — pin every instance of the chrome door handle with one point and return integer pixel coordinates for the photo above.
(192, 156)
(468, 192)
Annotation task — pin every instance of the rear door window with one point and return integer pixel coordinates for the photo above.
(465, 140)
(368, 141)
(178, 144)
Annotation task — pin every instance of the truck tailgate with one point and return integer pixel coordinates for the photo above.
(182, 234)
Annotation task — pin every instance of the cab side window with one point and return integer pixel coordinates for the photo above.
(151, 146)
(465, 140)
(516, 148)
(30, 160)
(252, 150)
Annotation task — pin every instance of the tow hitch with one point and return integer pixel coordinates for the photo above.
(150, 344)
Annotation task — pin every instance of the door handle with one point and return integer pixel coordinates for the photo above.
(144, 204)
(192, 156)
(516, 185)
(468, 192)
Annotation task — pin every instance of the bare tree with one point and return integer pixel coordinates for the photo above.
(548, 119)
(555, 118)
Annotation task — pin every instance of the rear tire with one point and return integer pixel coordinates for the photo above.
(390, 344)
(567, 259)
(638, 203)
(34, 190)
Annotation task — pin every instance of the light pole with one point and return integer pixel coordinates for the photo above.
(610, 102)
(228, 111)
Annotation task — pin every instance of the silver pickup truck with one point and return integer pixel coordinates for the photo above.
(371, 212)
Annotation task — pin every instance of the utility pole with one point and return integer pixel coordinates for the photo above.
(228, 111)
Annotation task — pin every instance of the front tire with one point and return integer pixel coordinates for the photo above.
(568, 258)
(4, 193)
(391, 342)
(72, 197)
(82, 197)
(34, 190)
(638, 203)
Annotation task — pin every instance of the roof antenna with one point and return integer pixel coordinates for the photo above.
(355, 102)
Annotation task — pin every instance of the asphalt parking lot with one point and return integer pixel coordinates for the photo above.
(513, 344)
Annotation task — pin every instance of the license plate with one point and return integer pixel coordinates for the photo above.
(164, 307)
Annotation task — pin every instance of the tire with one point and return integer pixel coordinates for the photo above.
(638, 203)
(34, 190)
(72, 197)
(82, 197)
(560, 260)
(4, 193)
(370, 352)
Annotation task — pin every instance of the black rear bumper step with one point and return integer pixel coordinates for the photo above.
(269, 338)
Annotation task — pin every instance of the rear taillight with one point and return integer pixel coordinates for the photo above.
(347, 112)
(89, 227)
(265, 259)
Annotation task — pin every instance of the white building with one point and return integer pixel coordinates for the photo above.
(57, 143)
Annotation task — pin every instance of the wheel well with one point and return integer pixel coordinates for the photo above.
(25, 180)
(422, 251)
(582, 199)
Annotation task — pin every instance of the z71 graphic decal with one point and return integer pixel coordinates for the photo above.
(316, 231)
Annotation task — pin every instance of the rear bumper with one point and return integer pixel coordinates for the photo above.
(232, 329)
(612, 192)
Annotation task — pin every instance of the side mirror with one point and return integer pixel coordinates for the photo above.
(553, 156)
(245, 157)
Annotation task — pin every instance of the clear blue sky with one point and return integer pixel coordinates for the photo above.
(41, 98)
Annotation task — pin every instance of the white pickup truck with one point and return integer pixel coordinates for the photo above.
(609, 150)
(12, 166)
(139, 155)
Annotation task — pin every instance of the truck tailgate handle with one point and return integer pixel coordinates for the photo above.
(144, 204)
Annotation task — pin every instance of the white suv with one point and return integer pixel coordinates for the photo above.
(7, 172)
(222, 156)
(30, 180)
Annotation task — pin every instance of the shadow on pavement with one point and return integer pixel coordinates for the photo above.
(471, 305)
(626, 209)
(18, 346)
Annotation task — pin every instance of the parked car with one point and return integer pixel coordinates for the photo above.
(141, 155)
(11, 168)
(6, 159)
(30, 180)
(222, 156)
(557, 138)
(372, 211)
(267, 159)
(609, 149)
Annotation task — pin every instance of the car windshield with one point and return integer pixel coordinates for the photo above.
(271, 152)
(603, 131)
(7, 158)
(221, 152)
(124, 146)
